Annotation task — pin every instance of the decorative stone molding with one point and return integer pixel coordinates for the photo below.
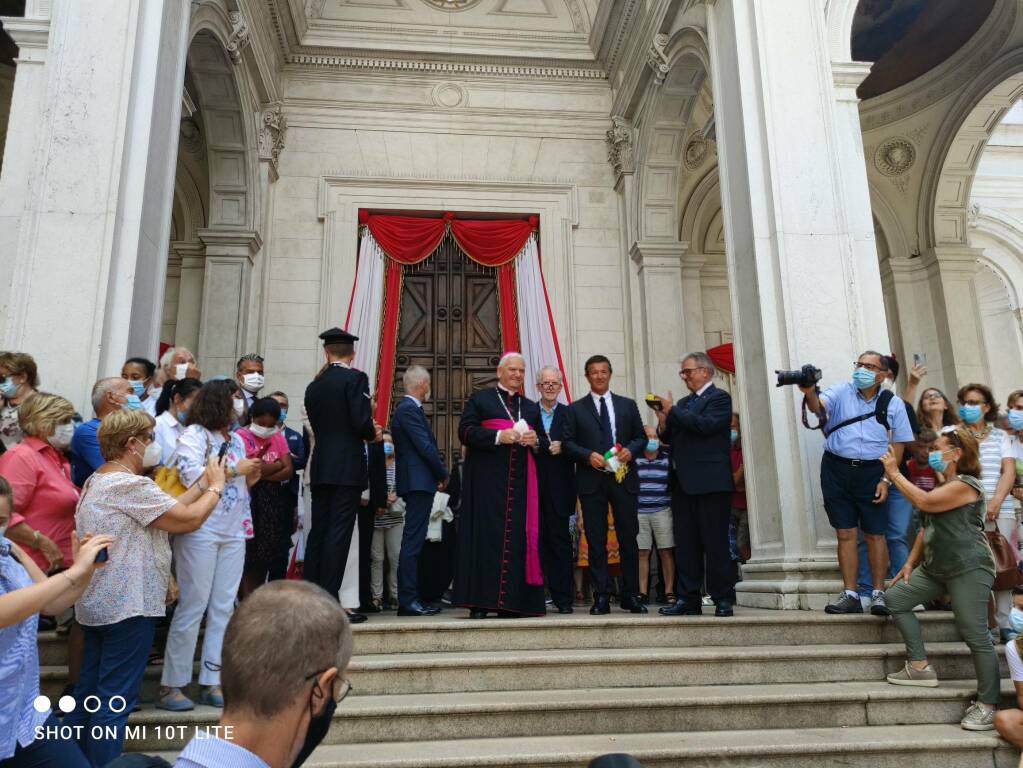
(452, 6)
(449, 95)
(32, 36)
(271, 133)
(973, 216)
(657, 59)
(629, 9)
(620, 146)
(696, 151)
(895, 156)
(191, 136)
(537, 71)
(239, 37)
(314, 8)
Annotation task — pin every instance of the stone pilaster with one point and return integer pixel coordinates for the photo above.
(192, 257)
(225, 316)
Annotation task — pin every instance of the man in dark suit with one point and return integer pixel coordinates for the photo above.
(698, 430)
(595, 423)
(371, 503)
(420, 474)
(556, 474)
(338, 406)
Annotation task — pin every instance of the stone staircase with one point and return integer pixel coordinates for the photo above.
(766, 688)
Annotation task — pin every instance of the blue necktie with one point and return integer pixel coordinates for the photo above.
(607, 439)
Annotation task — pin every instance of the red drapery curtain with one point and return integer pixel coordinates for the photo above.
(723, 356)
(407, 240)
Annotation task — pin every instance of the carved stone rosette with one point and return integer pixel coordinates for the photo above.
(620, 146)
(239, 37)
(696, 151)
(452, 5)
(895, 156)
(271, 133)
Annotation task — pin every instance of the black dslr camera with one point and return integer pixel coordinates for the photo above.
(807, 376)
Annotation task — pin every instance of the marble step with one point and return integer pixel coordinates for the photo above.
(538, 670)
(908, 746)
(451, 631)
(510, 714)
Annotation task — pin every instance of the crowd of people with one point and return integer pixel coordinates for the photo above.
(174, 507)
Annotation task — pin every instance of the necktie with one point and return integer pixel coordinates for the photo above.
(607, 440)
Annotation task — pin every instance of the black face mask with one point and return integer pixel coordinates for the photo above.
(319, 724)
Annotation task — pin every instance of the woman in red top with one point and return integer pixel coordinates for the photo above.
(40, 476)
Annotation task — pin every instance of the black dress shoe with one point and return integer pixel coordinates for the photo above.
(681, 608)
(477, 613)
(565, 609)
(416, 608)
(356, 618)
(370, 608)
(724, 609)
(632, 605)
(601, 605)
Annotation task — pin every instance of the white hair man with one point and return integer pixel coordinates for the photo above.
(420, 473)
(557, 491)
(498, 563)
(698, 430)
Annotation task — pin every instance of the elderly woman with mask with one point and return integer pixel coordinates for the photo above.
(18, 381)
(120, 608)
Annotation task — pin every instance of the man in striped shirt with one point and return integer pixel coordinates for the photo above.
(655, 520)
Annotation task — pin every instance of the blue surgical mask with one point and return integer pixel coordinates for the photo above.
(652, 446)
(138, 386)
(734, 436)
(864, 378)
(1016, 620)
(935, 461)
(388, 449)
(1016, 419)
(182, 415)
(8, 388)
(284, 416)
(970, 413)
(132, 403)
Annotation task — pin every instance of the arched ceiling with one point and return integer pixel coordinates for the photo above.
(548, 29)
(907, 38)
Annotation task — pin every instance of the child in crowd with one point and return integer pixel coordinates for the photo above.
(738, 531)
(266, 553)
(388, 527)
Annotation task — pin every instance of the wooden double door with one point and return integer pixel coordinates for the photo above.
(450, 324)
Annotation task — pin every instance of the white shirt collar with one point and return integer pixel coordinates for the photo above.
(704, 388)
(597, 398)
(414, 399)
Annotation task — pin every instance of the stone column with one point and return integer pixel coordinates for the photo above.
(692, 302)
(796, 274)
(661, 308)
(951, 270)
(272, 133)
(193, 267)
(225, 319)
(87, 187)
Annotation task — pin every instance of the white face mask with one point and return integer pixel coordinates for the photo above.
(427, 395)
(264, 432)
(252, 382)
(152, 455)
(180, 371)
(61, 437)
(239, 407)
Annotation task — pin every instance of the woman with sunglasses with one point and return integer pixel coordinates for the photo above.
(950, 556)
(979, 412)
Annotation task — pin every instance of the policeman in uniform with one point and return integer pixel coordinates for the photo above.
(338, 406)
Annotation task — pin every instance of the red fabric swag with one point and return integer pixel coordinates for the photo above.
(393, 274)
(723, 356)
(407, 239)
(492, 243)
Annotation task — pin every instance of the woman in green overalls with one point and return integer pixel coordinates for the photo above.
(950, 556)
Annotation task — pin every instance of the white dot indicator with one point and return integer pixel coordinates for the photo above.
(66, 704)
(41, 704)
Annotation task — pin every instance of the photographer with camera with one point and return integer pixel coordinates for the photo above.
(859, 421)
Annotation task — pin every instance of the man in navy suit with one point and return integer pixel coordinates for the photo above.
(556, 474)
(420, 474)
(595, 423)
(698, 430)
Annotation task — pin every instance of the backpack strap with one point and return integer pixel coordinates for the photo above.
(880, 413)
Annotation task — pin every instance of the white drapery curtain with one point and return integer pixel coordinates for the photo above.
(367, 306)
(536, 329)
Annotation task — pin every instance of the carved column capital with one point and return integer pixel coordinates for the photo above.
(239, 37)
(620, 146)
(272, 130)
(656, 58)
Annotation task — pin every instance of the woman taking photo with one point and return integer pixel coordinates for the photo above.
(979, 412)
(209, 561)
(950, 556)
(25, 592)
(120, 608)
(934, 410)
(18, 381)
(170, 425)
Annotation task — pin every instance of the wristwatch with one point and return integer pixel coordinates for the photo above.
(886, 480)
